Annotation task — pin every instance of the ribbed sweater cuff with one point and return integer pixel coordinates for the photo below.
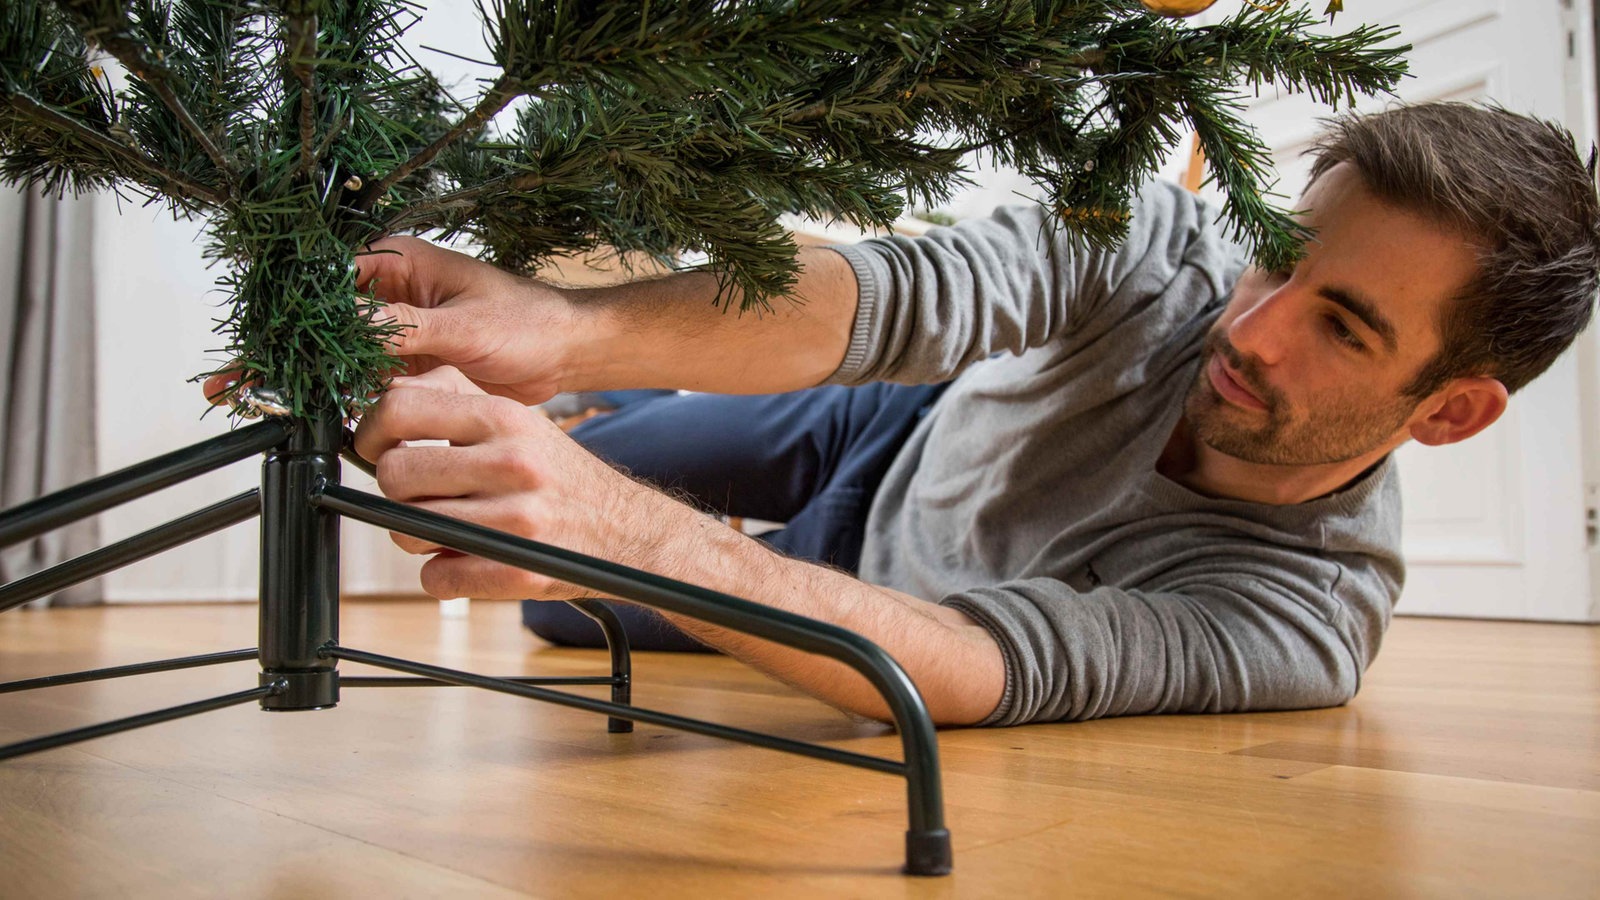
(870, 287)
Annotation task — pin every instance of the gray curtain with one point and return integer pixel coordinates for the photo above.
(46, 372)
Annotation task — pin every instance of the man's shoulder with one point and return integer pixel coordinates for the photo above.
(1175, 243)
(1160, 208)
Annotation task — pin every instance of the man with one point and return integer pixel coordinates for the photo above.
(1170, 491)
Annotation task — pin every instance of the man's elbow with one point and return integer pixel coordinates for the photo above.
(1333, 685)
(1342, 687)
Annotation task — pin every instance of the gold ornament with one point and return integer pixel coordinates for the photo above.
(1177, 9)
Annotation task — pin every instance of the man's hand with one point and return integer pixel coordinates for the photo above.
(510, 336)
(507, 468)
(519, 338)
(511, 469)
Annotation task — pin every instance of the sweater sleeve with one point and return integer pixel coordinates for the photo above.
(1202, 646)
(932, 305)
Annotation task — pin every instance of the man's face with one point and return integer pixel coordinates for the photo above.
(1305, 367)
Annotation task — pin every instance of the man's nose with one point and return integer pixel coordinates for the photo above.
(1265, 330)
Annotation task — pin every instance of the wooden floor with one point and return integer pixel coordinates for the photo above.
(1468, 766)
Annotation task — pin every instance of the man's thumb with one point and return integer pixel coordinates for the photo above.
(410, 326)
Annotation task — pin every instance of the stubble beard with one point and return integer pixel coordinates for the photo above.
(1329, 433)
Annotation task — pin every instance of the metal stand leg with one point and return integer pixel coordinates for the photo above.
(83, 500)
(621, 662)
(649, 716)
(300, 502)
(346, 681)
(165, 665)
(141, 546)
(61, 739)
(927, 840)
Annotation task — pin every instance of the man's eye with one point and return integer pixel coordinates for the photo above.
(1342, 333)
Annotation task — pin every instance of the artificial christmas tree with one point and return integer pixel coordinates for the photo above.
(302, 132)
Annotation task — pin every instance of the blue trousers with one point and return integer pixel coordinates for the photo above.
(811, 459)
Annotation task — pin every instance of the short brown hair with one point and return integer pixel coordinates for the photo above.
(1515, 186)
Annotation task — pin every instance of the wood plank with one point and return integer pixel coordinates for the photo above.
(1461, 770)
(79, 826)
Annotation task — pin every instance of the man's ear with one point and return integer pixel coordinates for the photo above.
(1460, 410)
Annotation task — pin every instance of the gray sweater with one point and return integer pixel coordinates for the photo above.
(1028, 497)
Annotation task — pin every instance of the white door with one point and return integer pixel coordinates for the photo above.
(1494, 526)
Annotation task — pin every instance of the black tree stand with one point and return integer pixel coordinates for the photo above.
(300, 502)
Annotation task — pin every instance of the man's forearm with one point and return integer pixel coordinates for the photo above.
(954, 662)
(667, 332)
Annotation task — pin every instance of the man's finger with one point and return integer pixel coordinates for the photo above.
(424, 331)
(412, 474)
(407, 322)
(448, 379)
(448, 575)
(499, 513)
(414, 413)
(416, 546)
(385, 263)
(220, 387)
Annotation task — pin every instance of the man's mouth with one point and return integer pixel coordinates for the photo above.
(1229, 386)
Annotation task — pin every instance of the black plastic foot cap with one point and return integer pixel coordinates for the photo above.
(928, 852)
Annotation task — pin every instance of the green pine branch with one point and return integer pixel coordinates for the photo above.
(497, 98)
(306, 131)
(71, 143)
(133, 42)
(300, 58)
(60, 124)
